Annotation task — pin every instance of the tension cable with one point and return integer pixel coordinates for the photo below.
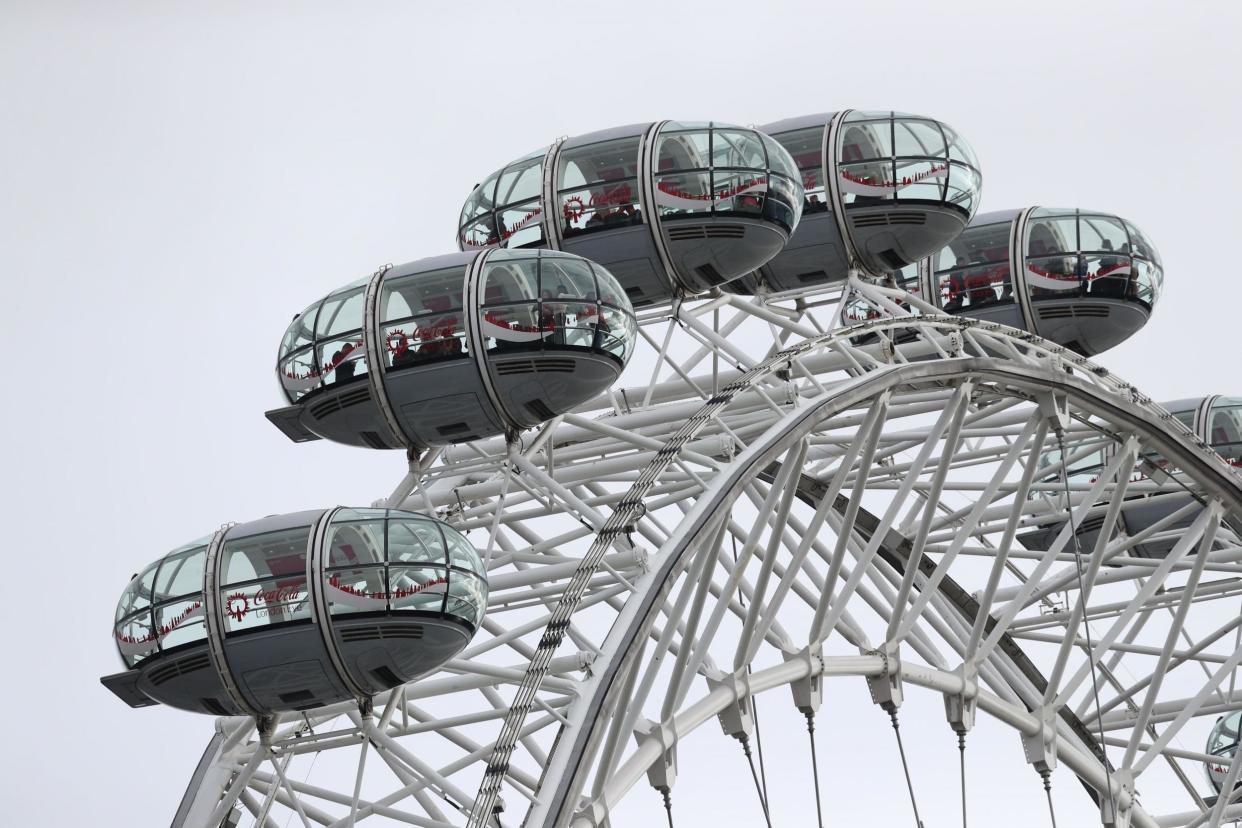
(961, 753)
(1086, 623)
(810, 731)
(750, 760)
(905, 768)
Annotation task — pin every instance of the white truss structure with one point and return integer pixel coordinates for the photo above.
(787, 502)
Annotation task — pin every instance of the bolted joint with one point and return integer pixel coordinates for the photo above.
(737, 719)
(808, 691)
(886, 688)
(887, 349)
(960, 711)
(1116, 810)
(585, 659)
(590, 815)
(959, 708)
(266, 726)
(662, 773)
(1055, 409)
(955, 343)
(640, 557)
(1040, 747)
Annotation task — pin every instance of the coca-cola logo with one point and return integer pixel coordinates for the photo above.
(239, 604)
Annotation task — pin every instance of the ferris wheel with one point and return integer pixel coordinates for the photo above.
(860, 461)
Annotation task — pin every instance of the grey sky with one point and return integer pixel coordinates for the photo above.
(177, 180)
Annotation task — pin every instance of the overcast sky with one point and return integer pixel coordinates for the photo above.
(176, 181)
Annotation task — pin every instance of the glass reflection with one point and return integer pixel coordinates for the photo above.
(553, 301)
(888, 156)
(1069, 252)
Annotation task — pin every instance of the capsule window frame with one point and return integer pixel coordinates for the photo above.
(453, 276)
(540, 308)
(947, 160)
(1138, 264)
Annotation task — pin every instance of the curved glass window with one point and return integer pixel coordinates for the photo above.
(547, 300)
(1148, 271)
(162, 607)
(135, 629)
(806, 147)
(421, 318)
(973, 270)
(1225, 429)
(323, 345)
(1076, 253)
(506, 208)
(890, 156)
(1223, 740)
(477, 223)
(1087, 460)
(389, 561)
(597, 186)
(263, 579)
(1185, 416)
(719, 169)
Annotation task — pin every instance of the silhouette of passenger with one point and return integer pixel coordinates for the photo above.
(345, 367)
(956, 287)
(1110, 282)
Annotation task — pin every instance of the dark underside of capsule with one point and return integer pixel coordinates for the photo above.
(707, 254)
(442, 401)
(1138, 514)
(284, 667)
(1087, 325)
(890, 235)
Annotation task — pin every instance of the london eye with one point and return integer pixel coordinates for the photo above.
(704, 437)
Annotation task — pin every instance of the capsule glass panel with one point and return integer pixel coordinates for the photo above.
(1224, 429)
(597, 187)
(421, 318)
(1223, 743)
(134, 628)
(553, 302)
(1079, 253)
(263, 579)
(806, 148)
(323, 345)
(973, 271)
(179, 614)
(890, 155)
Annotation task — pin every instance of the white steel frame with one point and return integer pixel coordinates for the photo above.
(869, 480)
